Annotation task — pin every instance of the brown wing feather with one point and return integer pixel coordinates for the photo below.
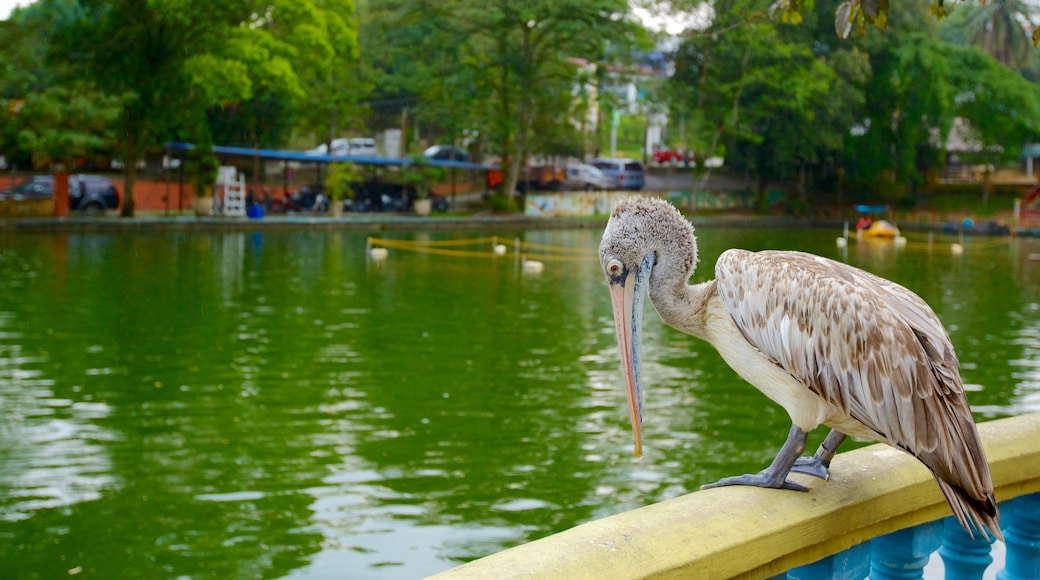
(873, 349)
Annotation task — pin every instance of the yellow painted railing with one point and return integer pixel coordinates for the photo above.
(743, 532)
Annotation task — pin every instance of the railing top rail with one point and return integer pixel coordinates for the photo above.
(744, 532)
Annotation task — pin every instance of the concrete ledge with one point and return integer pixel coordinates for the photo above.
(742, 532)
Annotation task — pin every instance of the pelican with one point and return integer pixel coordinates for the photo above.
(830, 343)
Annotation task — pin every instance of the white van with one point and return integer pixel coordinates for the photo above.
(362, 147)
(353, 147)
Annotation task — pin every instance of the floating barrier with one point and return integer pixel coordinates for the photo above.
(488, 248)
(928, 242)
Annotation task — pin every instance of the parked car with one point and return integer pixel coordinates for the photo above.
(587, 177)
(87, 193)
(362, 147)
(626, 173)
(446, 153)
(663, 156)
(353, 147)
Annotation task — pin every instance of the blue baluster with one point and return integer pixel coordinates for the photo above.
(963, 556)
(1021, 526)
(852, 564)
(903, 554)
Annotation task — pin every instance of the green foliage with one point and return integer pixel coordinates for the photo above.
(63, 123)
(500, 68)
(1000, 108)
(193, 62)
(498, 202)
(775, 89)
(793, 105)
(761, 93)
(49, 114)
(321, 37)
(201, 167)
(996, 27)
(341, 179)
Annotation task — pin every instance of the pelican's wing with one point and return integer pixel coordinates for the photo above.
(865, 344)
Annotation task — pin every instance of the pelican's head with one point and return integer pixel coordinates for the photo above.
(641, 232)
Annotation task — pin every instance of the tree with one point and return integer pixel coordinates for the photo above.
(500, 68)
(322, 36)
(999, 28)
(314, 86)
(174, 71)
(51, 116)
(527, 46)
(1000, 111)
(65, 123)
(779, 99)
(190, 56)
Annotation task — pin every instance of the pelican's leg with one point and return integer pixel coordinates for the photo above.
(776, 474)
(818, 465)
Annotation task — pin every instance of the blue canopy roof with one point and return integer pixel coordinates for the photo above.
(280, 155)
(872, 208)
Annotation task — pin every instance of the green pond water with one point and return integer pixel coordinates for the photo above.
(274, 405)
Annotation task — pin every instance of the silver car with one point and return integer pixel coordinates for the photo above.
(587, 177)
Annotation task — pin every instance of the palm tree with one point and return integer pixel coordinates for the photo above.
(1003, 28)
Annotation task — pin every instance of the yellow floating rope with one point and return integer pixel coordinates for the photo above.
(427, 249)
(926, 243)
(465, 242)
(437, 247)
(562, 249)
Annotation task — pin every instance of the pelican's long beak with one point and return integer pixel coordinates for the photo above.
(626, 294)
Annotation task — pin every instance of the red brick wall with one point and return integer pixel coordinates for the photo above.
(157, 195)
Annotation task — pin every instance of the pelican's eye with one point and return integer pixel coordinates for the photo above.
(614, 268)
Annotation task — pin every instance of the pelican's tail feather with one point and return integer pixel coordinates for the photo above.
(974, 515)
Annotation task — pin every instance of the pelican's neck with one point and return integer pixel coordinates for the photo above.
(681, 305)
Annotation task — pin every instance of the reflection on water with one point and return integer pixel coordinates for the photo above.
(275, 404)
(53, 453)
(1026, 369)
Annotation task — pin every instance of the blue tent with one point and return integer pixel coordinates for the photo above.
(279, 155)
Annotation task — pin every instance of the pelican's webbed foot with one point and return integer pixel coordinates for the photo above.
(774, 476)
(761, 479)
(813, 466)
(819, 465)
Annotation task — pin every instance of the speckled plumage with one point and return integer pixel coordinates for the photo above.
(829, 342)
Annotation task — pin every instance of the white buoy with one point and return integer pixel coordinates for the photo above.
(956, 249)
(500, 249)
(900, 240)
(533, 266)
(378, 253)
(843, 241)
